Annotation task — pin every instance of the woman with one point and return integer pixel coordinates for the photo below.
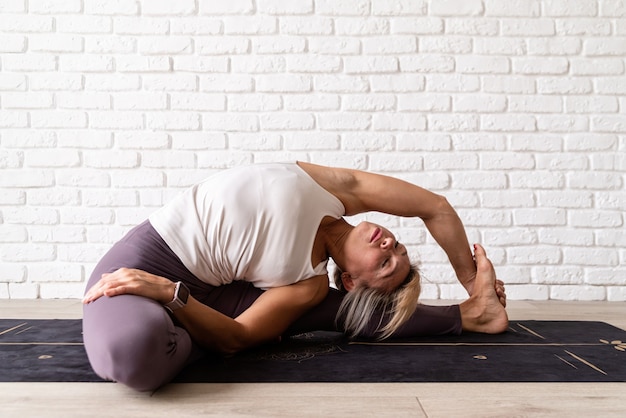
(208, 255)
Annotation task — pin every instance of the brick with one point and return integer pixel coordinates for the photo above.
(11, 273)
(243, 25)
(56, 82)
(424, 102)
(227, 83)
(528, 27)
(58, 234)
(565, 199)
(591, 104)
(390, 162)
(427, 63)
(610, 85)
(471, 26)
(389, 45)
(283, 83)
(54, 7)
(540, 217)
(168, 45)
(370, 65)
(539, 104)
(84, 140)
(361, 26)
(279, 45)
(564, 85)
(345, 121)
(596, 66)
(284, 121)
(347, 7)
(515, 236)
(452, 84)
(230, 122)
(506, 161)
(398, 122)
(558, 275)
(369, 102)
(313, 64)
(258, 64)
(143, 64)
(537, 180)
(608, 123)
(29, 62)
(457, 8)
(170, 82)
(311, 141)
(74, 100)
(605, 276)
(562, 123)
(12, 43)
(81, 24)
(588, 218)
(250, 103)
(110, 7)
(611, 200)
(141, 25)
(554, 47)
(501, 46)
(58, 119)
(222, 46)
(224, 159)
(61, 290)
(530, 8)
(616, 294)
(23, 291)
(78, 63)
(141, 101)
(583, 293)
(168, 8)
(13, 6)
(399, 7)
(570, 8)
(52, 158)
(536, 254)
(255, 142)
(82, 178)
(583, 26)
(365, 141)
(196, 25)
(479, 103)
(170, 120)
(309, 25)
(483, 65)
(509, 84)
(591, 256)
(340, 84)
(115, 120)
(445, 44)
(508, 123)
(533, 65)
(478, 142)
(615, 46)
(308, 102)
(417, 25)
(57, 43)
(28, 252)
(334, 46)
(476, 180)
(195, 101)
(510, 199)
(110, 159)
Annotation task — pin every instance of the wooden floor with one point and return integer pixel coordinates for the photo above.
(322, 399)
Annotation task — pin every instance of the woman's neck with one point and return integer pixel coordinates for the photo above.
(335, 234)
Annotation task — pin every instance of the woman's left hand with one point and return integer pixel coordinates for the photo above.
(127, 281)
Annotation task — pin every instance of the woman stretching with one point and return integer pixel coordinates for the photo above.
(240, 259)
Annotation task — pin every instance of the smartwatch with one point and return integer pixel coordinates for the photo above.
(181, 294)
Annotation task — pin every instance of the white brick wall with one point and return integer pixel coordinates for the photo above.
(513, 110)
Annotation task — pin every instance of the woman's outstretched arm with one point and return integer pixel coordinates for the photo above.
(360, 191)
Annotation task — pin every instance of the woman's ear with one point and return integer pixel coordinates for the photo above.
(348, 281)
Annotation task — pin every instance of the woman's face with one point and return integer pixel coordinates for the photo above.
(374, 257)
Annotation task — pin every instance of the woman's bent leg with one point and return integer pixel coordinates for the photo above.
(131, 339)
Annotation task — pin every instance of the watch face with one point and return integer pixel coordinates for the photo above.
(183, 293)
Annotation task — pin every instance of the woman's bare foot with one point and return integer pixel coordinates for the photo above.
(484, 311)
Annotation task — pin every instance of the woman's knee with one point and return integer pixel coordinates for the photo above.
(141, 349)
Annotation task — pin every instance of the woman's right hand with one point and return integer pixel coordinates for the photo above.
(125, 281)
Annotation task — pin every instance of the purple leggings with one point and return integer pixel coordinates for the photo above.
(133, 340)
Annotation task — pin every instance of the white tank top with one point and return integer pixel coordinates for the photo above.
(254, 223)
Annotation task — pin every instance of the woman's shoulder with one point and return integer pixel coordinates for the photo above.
(338, 181)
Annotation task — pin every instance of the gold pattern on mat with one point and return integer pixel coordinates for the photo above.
(617, 344)
(536, 334)
(586, 363)
(44, 357)
(12, 329)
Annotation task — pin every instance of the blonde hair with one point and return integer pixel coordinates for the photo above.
(359, 304)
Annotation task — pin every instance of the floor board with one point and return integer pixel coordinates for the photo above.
(24, 400)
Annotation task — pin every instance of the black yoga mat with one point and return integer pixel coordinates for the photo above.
(531, 351)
